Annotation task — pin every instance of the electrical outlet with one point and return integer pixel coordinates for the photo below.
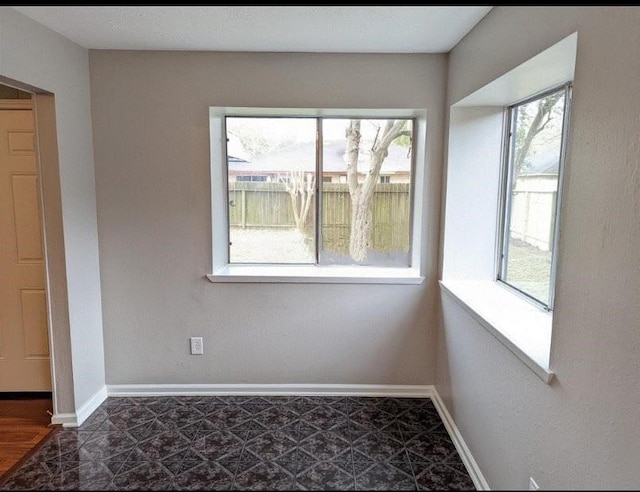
(196, 346)
(532, 484)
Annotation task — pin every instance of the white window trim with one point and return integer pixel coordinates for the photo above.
(469, 269)
(521, 326)
(223, 271)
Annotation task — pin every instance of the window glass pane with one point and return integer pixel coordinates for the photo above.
(366, 220)
(532, 194)
(271, 178)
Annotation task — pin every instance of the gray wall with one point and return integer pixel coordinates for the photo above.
(34, 55)
(583, 430)
(151, 137)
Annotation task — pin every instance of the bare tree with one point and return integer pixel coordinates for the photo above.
(301, 188)
(544, 114)
(361, 192)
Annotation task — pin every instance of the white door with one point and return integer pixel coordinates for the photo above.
(24, 343)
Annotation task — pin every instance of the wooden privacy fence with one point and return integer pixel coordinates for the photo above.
(533, 217)
(268, 205)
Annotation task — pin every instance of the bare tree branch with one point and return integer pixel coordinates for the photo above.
(541, 119)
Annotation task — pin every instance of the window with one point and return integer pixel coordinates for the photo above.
(535, 134)
(385, 179)
(321, 215)
(344, 218)
(482, 271)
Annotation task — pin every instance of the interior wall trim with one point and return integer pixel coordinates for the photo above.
(463, 450)
(81, 414)
(419, 391)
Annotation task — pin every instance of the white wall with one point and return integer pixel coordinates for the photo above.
(472, 202)
(583, 430)
(151, 133)
(34, 55)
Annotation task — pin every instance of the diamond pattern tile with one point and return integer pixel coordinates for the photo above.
(385, 476)
(439, 476)
(325, 475)
(103, 445)
(379, 446)
(219, 444)
(228, 417)
(271, 445)
(249, 443)
(275, 417)
(326, 417)
(370, 417)
(163, 445)
(418, 419)
(144, 475)
(87, 475)
(255, 474)
(209, 475)
(326, 446)
(429, 446)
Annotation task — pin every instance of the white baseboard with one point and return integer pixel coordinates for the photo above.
(64, 419)
(87, 408)
(464, 452)
(407, 391)
(91, 404)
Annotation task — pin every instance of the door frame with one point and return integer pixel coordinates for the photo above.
(47, 166)
(28, 105)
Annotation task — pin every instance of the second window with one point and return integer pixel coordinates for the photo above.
(532, 183)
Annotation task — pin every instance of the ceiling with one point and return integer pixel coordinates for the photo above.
(366, 29)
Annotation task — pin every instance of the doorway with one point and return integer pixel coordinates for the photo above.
(24, 339)
(26, 403)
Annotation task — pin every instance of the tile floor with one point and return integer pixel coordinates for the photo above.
(249, 443)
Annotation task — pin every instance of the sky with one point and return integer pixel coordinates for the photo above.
(302, 130)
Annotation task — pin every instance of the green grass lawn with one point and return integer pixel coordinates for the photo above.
(529, 269)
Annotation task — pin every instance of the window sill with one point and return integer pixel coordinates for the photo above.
(522, 327)
(315, 274)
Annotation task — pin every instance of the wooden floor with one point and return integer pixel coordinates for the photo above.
(24, 422)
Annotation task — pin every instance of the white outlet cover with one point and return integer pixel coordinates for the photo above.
(197, 347)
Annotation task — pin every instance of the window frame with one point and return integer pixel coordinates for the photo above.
(223, 271)
(504, 197)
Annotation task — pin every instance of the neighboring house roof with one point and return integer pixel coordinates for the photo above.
(542, 163)
(301, 156)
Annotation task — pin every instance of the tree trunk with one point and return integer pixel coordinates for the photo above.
(360, 241)
(301, 188)
(361, 229)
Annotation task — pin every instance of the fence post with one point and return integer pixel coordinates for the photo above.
(243, 208)
(527, 207)
(552, 222)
